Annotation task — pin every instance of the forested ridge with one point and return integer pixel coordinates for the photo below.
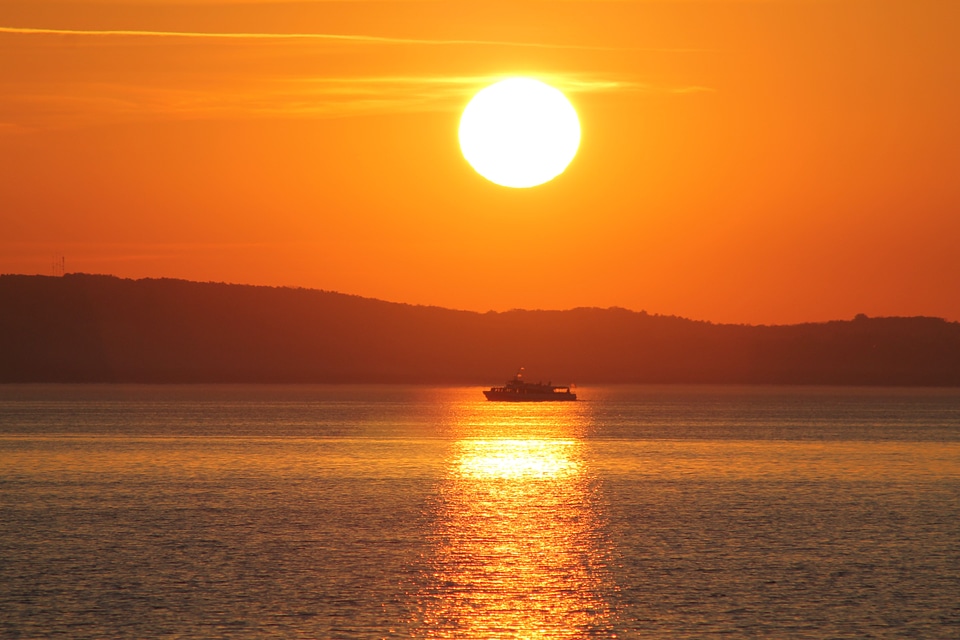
(89, 328)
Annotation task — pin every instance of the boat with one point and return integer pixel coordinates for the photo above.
(518, 390)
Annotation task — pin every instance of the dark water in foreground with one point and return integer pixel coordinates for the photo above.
(369, 512)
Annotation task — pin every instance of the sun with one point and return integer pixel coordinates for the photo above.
(519, 132)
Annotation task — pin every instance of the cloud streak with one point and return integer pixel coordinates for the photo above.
(71, 105)
(317, 37)
(76, 104)
(64, 101)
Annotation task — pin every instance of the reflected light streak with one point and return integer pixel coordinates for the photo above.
(518, 541)
(517, 459)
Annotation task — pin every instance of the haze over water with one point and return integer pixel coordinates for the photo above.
(367, 512)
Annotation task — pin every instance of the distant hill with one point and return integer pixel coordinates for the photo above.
(87, 328)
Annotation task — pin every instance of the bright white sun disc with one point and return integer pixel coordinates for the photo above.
(519, 132)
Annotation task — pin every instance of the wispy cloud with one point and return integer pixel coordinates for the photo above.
(439, 87)
(273, 90)
(319, 37)
(348, 96)
(452, 92)
(74, 104)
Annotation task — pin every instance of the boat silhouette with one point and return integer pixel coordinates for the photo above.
(518, 390)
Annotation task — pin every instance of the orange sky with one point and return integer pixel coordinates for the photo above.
(742, 161)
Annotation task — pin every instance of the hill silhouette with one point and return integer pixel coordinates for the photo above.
(89, 328)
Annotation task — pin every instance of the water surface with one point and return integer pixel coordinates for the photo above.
(368, 512)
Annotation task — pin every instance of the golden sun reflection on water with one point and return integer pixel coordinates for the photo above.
(486, 459)
(518, 547)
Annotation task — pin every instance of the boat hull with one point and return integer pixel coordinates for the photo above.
(508, 396)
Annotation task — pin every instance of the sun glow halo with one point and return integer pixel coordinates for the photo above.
(519, 132)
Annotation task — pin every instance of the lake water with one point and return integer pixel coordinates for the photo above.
(409, 512)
